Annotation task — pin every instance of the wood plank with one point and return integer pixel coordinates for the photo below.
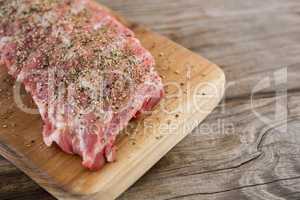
(249, 40)
(228, 163)
(198, 86)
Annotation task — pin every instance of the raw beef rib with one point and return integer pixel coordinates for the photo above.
(86, 72)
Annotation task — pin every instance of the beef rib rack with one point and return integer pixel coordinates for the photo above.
(86, 72)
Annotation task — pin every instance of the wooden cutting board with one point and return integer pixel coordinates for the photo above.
(194, 87)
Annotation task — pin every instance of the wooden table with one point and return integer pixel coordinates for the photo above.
(244, 150)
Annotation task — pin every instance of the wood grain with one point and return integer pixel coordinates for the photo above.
(250, 40)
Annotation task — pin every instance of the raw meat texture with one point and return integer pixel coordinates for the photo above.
(87, 73)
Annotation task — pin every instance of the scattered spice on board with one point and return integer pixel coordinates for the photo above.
(132, 140)
(176, 72)
(4, 126)
(28, 145)
(161, 54)
(176, 115)
(158, 137)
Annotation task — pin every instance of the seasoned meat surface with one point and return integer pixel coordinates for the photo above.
(86, 72)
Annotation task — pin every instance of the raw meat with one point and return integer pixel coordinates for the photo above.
(86, 72)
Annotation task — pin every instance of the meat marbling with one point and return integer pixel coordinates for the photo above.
(86, 72)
